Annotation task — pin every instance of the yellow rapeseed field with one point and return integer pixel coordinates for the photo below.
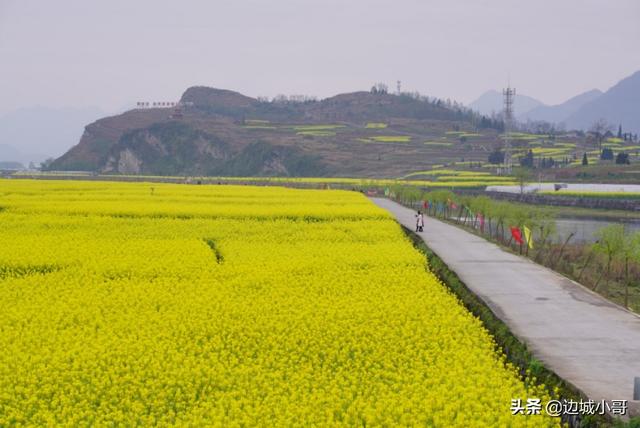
(140, 304)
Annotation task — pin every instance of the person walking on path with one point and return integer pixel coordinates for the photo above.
(419, 222)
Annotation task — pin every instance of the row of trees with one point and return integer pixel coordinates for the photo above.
(601, 130)
(613, 258)
(289, 99)
(490, 217)
(529, 160)
(462, 113)
(607, 154)
(496, 157)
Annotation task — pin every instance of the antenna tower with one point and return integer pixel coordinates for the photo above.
(509, 95)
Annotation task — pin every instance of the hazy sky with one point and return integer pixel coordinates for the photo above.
(110, 53)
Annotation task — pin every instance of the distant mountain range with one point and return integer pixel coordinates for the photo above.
(560, 112)
(491, 102)
(620, 105)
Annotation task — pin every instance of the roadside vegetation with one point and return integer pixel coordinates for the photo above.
(610, 266)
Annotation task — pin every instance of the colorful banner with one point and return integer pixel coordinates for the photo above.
(527, 236)
(517, 235)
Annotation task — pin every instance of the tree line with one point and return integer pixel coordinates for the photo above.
(610, 263)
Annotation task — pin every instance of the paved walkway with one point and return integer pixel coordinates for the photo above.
(585, 339)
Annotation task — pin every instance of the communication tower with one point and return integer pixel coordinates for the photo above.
(509, 95)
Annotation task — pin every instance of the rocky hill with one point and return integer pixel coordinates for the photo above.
(221, 132)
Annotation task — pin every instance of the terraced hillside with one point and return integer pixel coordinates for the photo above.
(219, 132)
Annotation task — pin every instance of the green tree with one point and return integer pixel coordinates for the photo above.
(500, 211)
(527, 160)
(522, 176)
(496, 157)
(480, 205)
(610, 243)
(585, 160)
(606, 154)
(599, 128)
(622, 159)
(630, 252)
(545, 222)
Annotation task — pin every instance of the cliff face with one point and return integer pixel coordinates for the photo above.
(221, 132)
(166, 148)
(171, 147)
(99, 137)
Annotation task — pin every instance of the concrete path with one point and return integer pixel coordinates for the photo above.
(585, 339)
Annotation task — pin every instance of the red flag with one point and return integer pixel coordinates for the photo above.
(517, 235)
